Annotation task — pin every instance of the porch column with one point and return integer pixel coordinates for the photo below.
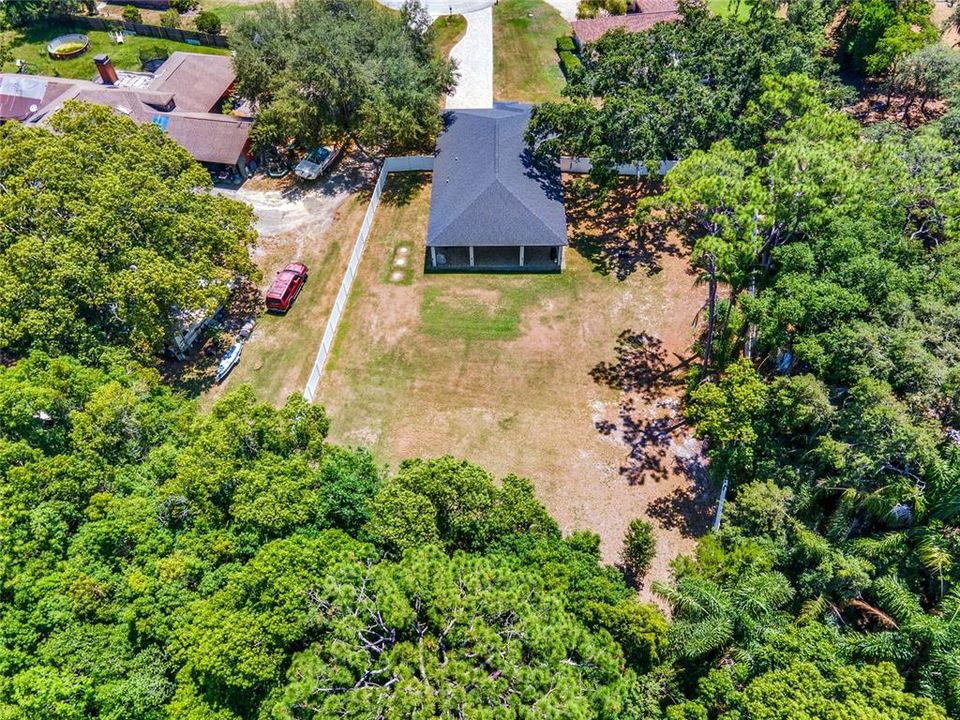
(433, 256)
(471, 256)
(563, 258)
(521, 256)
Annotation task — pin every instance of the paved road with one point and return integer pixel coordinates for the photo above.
(474, 56)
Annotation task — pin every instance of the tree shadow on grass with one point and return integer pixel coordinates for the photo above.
(688, 509)
(641, 367)
(403, 187)
(648, 415)
(608, 235)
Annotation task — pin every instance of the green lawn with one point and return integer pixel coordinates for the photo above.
(729, 8)
(525, 63)
(446, 32)
(229, 12)
(503, 368)
(30, 44)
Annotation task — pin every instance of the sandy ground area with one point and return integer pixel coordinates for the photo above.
(292, 205)
(315, 223)
(571, 380)
(941, 14)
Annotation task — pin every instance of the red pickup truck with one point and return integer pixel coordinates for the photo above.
(286, 286)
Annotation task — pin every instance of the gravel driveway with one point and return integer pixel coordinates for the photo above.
(474, 56)
(291, 205)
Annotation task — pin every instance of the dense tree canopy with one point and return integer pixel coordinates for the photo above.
(646, 97)
(106, 232)
(827, 394)
(160, 563)
(321, 71)
(876, 34)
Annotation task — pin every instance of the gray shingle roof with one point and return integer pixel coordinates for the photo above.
(487, 190)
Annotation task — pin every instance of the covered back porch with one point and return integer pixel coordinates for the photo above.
(491, 258)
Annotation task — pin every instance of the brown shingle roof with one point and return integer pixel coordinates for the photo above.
(657, 6)
(587, 31)
(193, 82)
(209, 137)
(22, 95)
(197, 81)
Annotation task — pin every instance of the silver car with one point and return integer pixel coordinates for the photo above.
(316, 162)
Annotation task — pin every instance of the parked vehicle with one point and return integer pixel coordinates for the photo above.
(286, 286)
(275, 166)
(229, 361)
(247, 328)
(317, 162)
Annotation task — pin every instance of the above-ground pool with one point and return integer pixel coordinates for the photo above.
(68, 46)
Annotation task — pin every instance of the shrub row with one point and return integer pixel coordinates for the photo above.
(569, 62)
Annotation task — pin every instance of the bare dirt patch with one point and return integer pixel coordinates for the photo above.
(314, 223)
(942, 10)
(572, 380)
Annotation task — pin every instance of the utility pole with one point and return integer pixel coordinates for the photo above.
(723, 497)
(752, 329)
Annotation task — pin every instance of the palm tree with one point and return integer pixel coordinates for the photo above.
(712, 618)
(924, 645)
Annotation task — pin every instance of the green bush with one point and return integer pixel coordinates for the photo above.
(208, 22)
(639, 547)
(591, 8)
(565, 42)
(131, 14)
(182, 6)
(170, 18)
(569, 63)
(587, 9)
(616, 7)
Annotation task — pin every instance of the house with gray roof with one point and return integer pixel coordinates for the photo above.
(493, 206)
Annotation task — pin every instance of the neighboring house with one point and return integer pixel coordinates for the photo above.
(183, 97)
(650, 12)
(492, 207)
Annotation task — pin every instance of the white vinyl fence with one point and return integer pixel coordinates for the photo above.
(414, 163)
(583, 165)
(411, 163)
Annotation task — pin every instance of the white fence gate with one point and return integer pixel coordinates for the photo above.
(413, 163)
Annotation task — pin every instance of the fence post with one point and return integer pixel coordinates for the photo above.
(399, 164)
(156, 31)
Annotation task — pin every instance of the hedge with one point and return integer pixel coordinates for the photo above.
(569, 62)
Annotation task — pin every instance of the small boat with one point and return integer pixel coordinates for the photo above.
(229, 361)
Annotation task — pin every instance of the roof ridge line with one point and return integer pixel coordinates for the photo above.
(531, 210)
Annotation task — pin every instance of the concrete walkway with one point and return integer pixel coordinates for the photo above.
(474, 56)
